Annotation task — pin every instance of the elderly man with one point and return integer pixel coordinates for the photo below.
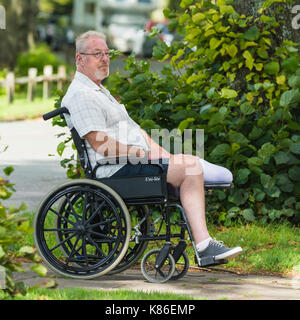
(97, 117)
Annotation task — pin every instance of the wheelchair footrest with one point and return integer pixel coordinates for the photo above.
(210, 261)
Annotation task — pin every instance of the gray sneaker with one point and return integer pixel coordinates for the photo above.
(218, 251)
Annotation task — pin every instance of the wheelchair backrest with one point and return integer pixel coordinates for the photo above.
(79, 143)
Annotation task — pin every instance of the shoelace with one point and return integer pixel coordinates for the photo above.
(217, 242)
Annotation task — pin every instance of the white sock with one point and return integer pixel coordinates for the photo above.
(203, 244)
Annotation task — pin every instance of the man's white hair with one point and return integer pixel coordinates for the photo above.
(82, 39)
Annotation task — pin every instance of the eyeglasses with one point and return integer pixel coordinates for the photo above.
(98, 55)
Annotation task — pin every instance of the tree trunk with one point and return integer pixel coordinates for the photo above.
(284, 16)
(19, 33)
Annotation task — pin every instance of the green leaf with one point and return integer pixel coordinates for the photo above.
(249, 59)
(238, 197)
(255, 161)
(185, 3)
(185, 123)
(2, 253)
(281, 157)
(238, 138)
(226, 9)
(210, 93)
(284, 183)
(273, 192)
(39, 269)
(267, 181)
(272, 67)
(267, 150)
(26, 250)
(221, 150)
(160, 50)
(294, 173)
(262, 53)
(198, 17)
(294, 81)
(258, 194)
(252, 34)
(291, 64)
(214, 43)
(295, 148)
(248, 214)
(232, 50)
(180, 99)
(246, 108)
(8, 170)
(289, 97)
(242, 176)
(60, 148)
(228, 93)
(255, 133)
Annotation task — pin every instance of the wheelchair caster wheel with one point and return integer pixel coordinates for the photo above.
(157, 275)
(181, 267)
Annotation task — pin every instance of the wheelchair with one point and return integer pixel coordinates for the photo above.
(86, 228)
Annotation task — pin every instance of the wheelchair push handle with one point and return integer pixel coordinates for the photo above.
(55, 112)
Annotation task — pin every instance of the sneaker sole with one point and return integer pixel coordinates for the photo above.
(229, 254)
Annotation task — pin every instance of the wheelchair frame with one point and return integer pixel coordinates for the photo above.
(144, 191)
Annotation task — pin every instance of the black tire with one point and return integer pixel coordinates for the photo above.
(72, 243)
(181, 267)
(151, 273)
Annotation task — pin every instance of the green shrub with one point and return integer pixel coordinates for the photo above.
(233, 77)
(37, 58)
(13, 227)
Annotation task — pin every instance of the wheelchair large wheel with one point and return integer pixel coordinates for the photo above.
(82, 229)
(135, 250)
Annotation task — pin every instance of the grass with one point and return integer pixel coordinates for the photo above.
(272, 249)
(94, 294)
(21, 109)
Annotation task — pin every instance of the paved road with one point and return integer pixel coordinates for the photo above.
(36, 173)
(210, 285)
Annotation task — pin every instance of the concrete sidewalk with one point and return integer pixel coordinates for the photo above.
(199, 284)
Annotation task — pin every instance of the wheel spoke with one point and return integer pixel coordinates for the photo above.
(102, 222)
(95, 212)
(60, 243)
(73, 250)
(96, 245)
(110, 239)
(62, 217)
(72, 208)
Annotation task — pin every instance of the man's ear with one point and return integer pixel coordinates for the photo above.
(79, 59)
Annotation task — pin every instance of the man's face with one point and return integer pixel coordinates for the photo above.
(93, 66)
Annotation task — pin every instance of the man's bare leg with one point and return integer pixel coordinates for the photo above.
(185, 171)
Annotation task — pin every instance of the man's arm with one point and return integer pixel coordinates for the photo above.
(110, 147)
(156, 151)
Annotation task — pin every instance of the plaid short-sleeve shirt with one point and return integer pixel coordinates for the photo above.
(93, 108)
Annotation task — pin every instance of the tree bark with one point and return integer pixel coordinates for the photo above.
(284, 15)
(20, 28)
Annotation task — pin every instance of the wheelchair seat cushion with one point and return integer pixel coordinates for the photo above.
(135, 170)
